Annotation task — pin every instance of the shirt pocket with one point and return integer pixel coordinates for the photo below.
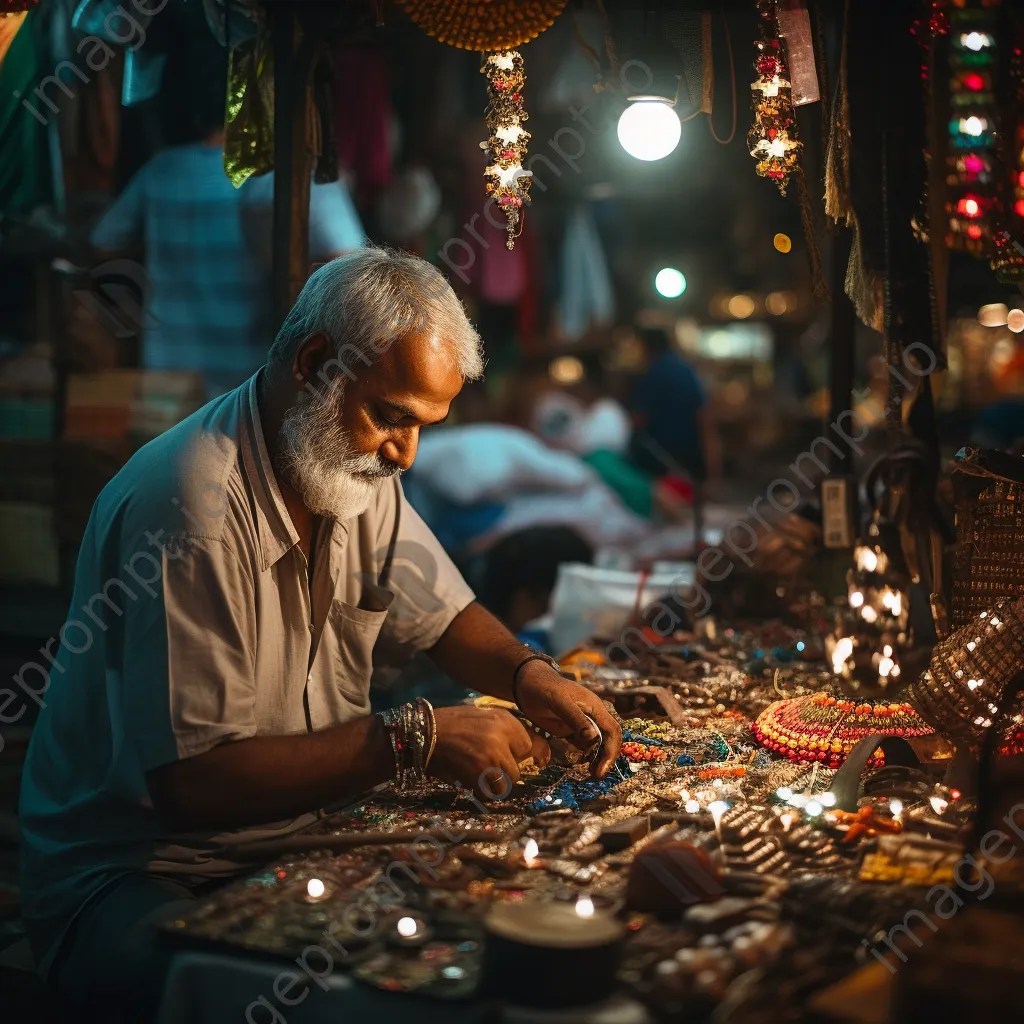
(353, 635)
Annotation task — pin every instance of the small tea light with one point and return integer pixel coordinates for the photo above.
(531, 853)
(717, 809)
(315, 889)
(410, 931)
(584, 905)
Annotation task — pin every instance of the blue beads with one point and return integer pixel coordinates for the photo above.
(635, 737)
(571, 794)
(684, 760)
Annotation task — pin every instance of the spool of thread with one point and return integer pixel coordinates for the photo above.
(548, 955)
(993, 315)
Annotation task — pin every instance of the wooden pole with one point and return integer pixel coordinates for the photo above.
(293, 61)
(841, 362)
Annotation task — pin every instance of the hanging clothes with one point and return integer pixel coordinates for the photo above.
(362, 116)
(587, 298)
(25, 178)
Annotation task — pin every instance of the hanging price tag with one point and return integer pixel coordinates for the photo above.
(795, 28)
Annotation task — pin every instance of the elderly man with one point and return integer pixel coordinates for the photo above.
(238, 581)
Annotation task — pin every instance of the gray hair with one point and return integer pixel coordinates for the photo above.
(370, 298)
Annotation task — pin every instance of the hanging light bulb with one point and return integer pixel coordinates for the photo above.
(649, 128)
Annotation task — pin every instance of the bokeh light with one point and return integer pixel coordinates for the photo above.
(741, 306)
(669, 283)
(566, 370)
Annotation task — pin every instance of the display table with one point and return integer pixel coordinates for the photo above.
(204, 988)
(715, 856)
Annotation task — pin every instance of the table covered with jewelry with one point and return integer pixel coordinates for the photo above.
(723, 866)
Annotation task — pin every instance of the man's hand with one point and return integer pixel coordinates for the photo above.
(561, 707)
(475, 746)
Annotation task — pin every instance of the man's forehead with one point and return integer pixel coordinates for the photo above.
(419, 366)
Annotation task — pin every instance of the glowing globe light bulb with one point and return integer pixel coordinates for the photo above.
(669, 283)
(649, 128)
(407, 927)
(315, 888)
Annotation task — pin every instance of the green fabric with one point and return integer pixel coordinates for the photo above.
(632, 485)
(25, 179)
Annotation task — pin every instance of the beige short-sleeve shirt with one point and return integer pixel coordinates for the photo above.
(198, 622)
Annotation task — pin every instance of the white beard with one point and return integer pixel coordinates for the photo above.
(316, 458)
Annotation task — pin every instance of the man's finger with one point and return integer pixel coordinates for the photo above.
(583, 734)
(612, 739)
(540, 751)
(520, 739)
(495, 783)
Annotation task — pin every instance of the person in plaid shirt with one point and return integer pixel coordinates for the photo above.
(208, 252)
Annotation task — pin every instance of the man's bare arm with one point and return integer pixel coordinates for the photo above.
(271, 778)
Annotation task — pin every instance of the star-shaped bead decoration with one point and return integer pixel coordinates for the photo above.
(501, 60)
(509, 133)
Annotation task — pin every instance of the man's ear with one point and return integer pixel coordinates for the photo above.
(311, 356)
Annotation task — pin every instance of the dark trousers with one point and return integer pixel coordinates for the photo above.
(113, 964)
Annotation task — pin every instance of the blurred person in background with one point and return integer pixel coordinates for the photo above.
(673, 434)
(520, 572)
(208, 247)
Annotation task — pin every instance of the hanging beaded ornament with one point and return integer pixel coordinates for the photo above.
(495, 27)
(508, 183)
(823, 728)
(772, 138)
(483, 24)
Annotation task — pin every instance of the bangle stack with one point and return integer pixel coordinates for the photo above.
(413, 733)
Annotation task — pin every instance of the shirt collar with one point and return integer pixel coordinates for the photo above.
(277, 533)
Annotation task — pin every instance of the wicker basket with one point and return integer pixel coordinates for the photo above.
(962, 690)
(988, 565)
